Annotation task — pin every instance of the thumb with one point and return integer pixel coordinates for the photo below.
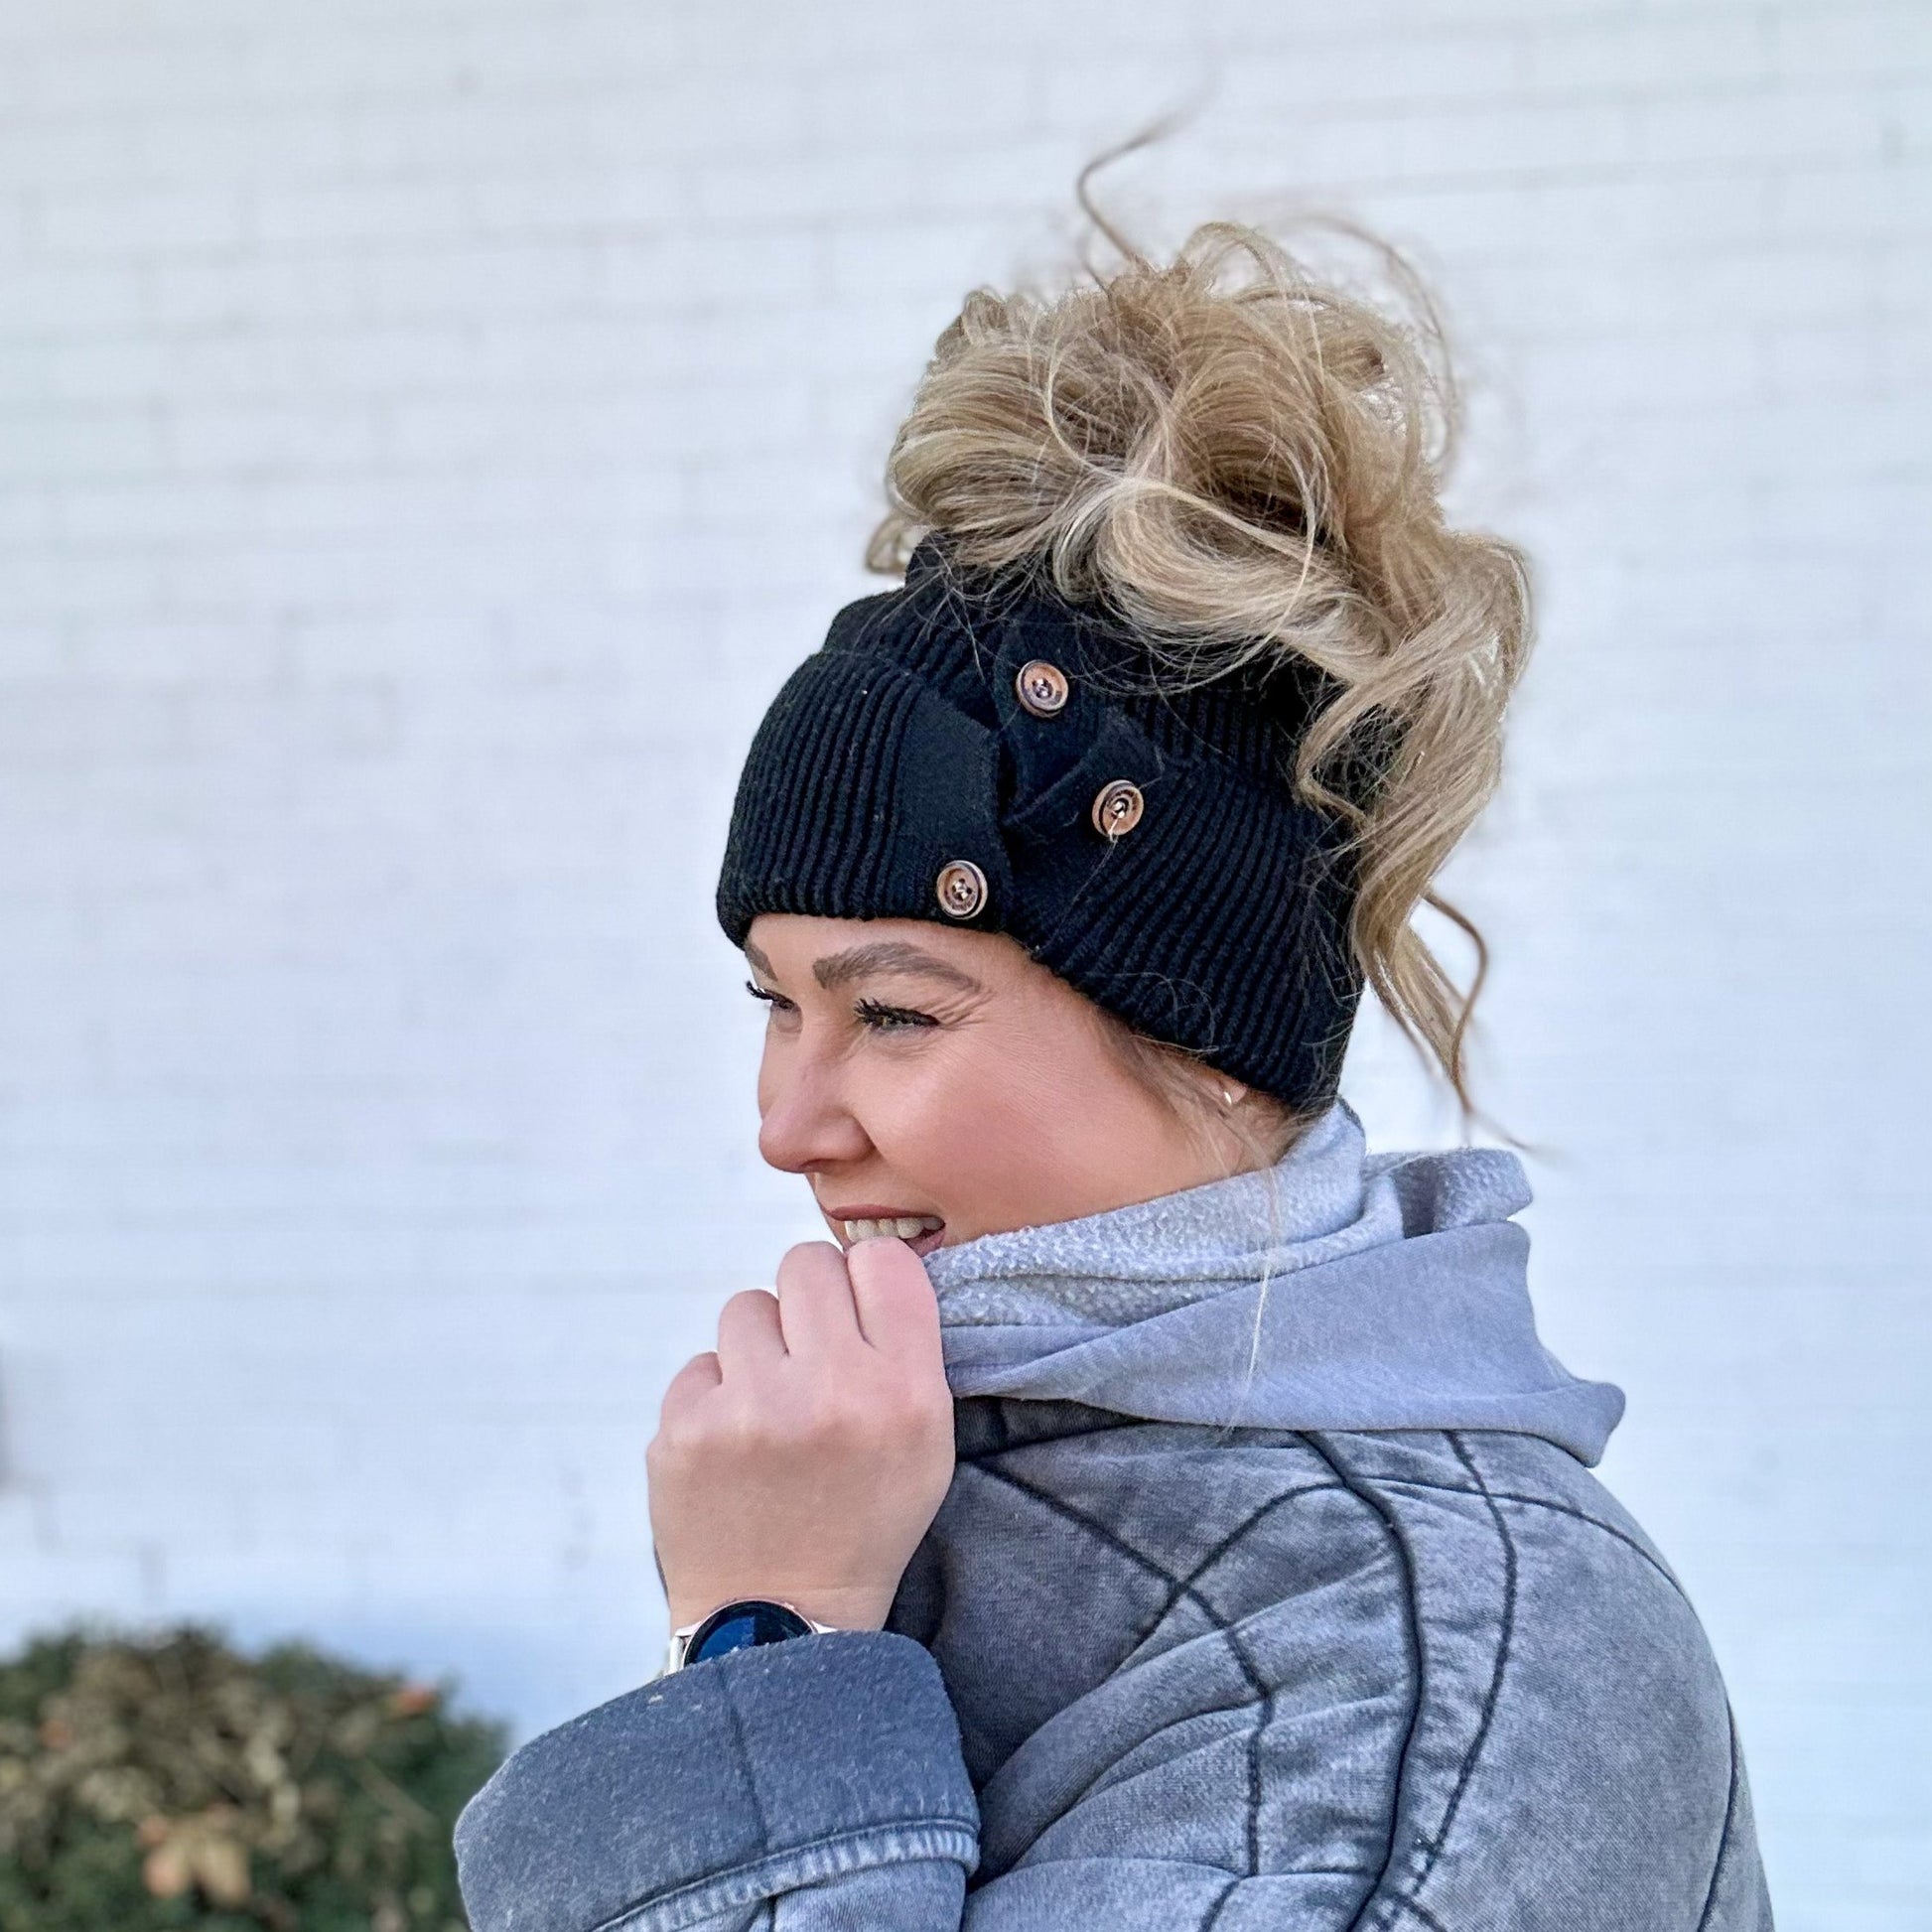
(899, 1314)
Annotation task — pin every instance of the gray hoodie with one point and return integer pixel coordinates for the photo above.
(1272, 1590)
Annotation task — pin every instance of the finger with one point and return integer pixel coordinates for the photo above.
(700, 1373)
(749, 1335)
(899, 1314)
(695, 1380)
(815, 1306)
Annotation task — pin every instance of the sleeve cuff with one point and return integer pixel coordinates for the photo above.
(730, 1781)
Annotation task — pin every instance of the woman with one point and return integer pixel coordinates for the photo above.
(1149, 1511)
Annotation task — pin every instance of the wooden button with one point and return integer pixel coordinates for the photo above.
(1043, 688)
(960, 888)
(1117, 808)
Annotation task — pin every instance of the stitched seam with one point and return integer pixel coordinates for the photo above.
(1114, 1542)
(1141, 1744)
(1233, 1886)
(1215, 1910)
(1426, 1917)
(1724, 1836)
(694, 1902)
(1542, 1502)
(1183, 1587)
(1236, 1535)
(1495, 1694)
(745, 1758)
(1265, 1711)
(1265, 1715)
(1028, 1862)
(1411, 1608)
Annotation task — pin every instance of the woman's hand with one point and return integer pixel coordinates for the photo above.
(804, 1459)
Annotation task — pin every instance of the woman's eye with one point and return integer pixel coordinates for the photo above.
(891, 1020)
(873, 1015)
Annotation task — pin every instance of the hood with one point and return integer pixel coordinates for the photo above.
(1336, 1289)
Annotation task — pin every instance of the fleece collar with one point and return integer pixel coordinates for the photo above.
(1336, 1289)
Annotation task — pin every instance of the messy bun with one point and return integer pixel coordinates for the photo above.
(1245, 462)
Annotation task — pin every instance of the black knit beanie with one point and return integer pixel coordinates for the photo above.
(976, 750)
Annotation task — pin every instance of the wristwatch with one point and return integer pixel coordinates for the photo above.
(742, 1625)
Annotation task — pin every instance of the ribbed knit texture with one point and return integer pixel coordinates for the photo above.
(1219, 924)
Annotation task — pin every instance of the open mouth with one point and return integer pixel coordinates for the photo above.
(921, 1232)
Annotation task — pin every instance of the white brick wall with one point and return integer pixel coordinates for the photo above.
(427, 434)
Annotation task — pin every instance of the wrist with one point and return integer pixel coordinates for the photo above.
(752, 1624)
(859, 1607)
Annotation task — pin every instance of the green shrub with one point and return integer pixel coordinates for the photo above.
(171, 1782)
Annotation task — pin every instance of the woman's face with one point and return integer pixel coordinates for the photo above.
(944, 1084)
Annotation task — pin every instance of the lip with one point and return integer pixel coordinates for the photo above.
(836, 1217)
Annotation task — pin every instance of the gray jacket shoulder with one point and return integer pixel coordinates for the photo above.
(1363, 1677)
(1570, 1740)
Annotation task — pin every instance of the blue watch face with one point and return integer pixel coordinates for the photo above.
(744, 1626)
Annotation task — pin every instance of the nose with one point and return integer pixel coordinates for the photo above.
(805, 1121)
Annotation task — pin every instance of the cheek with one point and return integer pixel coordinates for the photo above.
(949, 1135)
(1008, 1141)
(963, 1127)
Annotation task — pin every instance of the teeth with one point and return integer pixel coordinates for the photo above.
(903, 1226)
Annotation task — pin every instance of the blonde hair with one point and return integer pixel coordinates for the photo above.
(1245, 462)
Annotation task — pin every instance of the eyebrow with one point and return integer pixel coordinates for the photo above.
(881, 956)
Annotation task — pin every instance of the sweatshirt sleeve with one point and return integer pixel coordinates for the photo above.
(809, 1786)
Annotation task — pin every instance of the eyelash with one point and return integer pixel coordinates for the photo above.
(873, 1013)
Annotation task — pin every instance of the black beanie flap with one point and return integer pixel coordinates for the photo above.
(1117, 750)
(945, 808)
(861, 786)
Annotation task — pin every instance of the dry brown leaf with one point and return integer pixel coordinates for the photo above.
(166, 1870)
(222, 1869)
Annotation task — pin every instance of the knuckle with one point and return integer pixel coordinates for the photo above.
(760, 1430)
(883, 1428)
(808, 1254)
(734, 1421)
(913, 1394)
(825, 1415)
(912, 1422)
(811, 1263)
